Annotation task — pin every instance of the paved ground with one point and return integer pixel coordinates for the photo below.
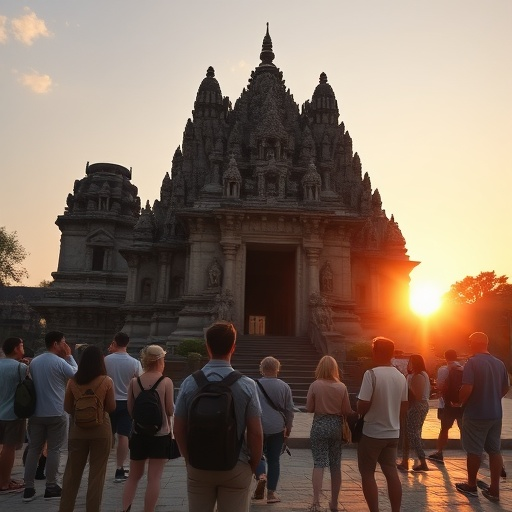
(432, 491)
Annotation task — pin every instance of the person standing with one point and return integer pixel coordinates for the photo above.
(229, 489)
(152, 448)
(277, 422)
(328, 399)
(91, 443)
(382, 400)
(447, 412)
(50, 372)
(12, 428)
(418, 383)
(121, 368)
(485, 382)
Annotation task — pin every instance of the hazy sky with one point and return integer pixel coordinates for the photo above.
(424, 88)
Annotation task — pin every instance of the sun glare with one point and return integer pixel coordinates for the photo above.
(425, 299)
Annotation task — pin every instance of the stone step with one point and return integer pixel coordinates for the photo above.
(297, 356)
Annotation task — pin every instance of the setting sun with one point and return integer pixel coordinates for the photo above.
(424, 299)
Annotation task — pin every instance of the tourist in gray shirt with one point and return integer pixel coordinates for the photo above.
(277, 420)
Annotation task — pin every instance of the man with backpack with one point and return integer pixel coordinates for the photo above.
(215, 409)
(51, 372)
(121, 368)
(12, 428)
(449, 381)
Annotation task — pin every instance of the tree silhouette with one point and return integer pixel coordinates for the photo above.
(12, 254)
(484, 285)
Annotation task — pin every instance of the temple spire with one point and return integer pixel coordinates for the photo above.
(267, 55)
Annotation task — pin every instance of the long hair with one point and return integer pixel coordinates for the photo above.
(417, 364)
(91, 365)
(327, 369)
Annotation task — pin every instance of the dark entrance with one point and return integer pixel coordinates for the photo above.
(270, 290)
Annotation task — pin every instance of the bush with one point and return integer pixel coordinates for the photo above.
(361, 349)
(191, 345)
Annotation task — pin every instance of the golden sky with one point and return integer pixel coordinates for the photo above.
(422, 87)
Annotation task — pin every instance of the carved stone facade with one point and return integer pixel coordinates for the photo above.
(90, 282)
(266, 215)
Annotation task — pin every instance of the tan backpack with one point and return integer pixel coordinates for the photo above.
(88, 411)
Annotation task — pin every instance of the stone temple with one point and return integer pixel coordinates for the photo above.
(266, 219)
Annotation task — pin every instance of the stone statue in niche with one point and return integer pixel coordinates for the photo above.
(222, 309)
(326, 278)
(214, 274)
(145, 294)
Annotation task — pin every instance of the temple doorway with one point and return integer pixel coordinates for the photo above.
(270, 291)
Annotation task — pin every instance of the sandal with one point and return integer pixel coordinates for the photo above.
(402, 467)
(420, 468)
(13, 487)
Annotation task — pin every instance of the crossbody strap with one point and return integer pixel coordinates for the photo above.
(270, 401)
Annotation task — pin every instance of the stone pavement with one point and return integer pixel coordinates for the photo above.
(430, 491)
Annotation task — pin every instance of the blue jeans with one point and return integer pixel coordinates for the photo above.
(272, 446)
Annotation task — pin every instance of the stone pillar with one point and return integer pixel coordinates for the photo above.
(229, 249)
(346, 268)
(196, 272)
(162, 292)
(133, 272)
(312, 255)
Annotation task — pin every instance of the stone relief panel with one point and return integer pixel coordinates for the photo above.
(326, 278)
(214, 274)
(223, 306)
(321, 312)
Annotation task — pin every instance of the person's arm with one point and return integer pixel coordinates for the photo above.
(442, 378)
(129, 397)
(404, 407)
(417, 385)
(310, 400)
(365, 394)
(169, 397)
(465, 392)
(363, 406)
(254, 441)
(180, 434)
(346, 408)
(69, 399)
(110, 399)
(289, 413)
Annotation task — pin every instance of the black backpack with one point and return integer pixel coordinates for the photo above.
(147, 410)
(212, 439)
(453, 384)
(24, 396)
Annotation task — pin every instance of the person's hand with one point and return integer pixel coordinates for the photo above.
(65, 350)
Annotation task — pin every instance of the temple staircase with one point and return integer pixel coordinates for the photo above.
(297, 356)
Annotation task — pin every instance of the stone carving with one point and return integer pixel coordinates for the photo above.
(311, 183)
(321, 313)
(222, 309)
(326, 278)
(145, 292)
(214, 274)
(232, 179)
